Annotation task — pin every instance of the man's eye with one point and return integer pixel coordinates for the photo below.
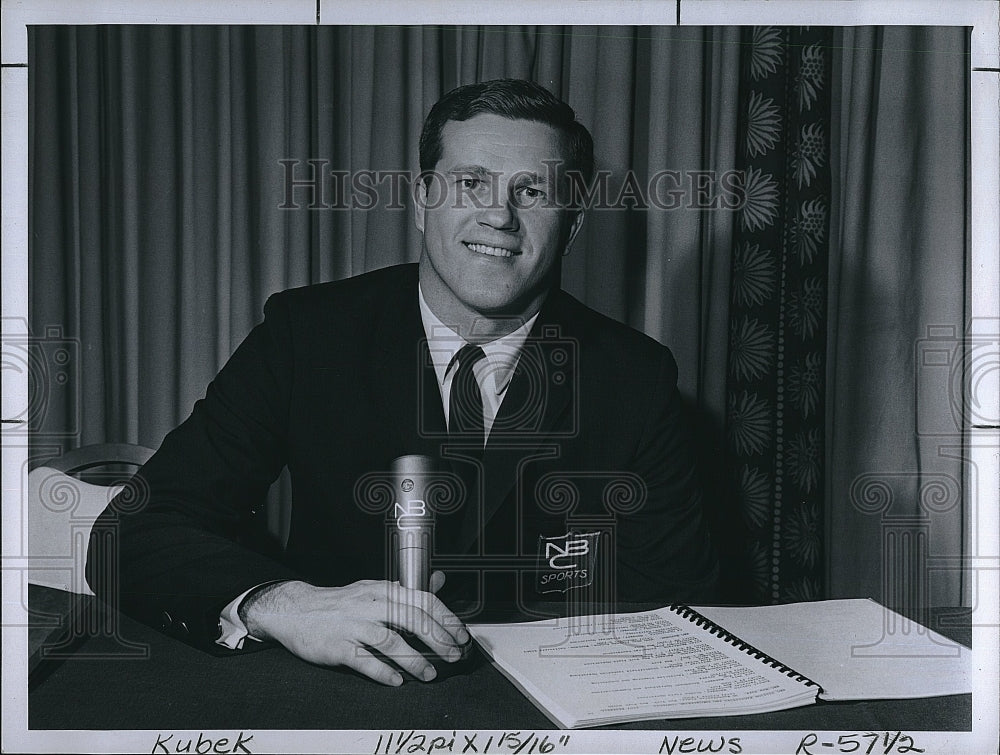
(469, 183)
(530, 193)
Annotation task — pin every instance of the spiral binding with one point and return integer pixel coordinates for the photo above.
(703, 622)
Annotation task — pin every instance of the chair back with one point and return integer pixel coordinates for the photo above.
(62, 510)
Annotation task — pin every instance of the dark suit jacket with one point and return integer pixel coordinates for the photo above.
(335, 383)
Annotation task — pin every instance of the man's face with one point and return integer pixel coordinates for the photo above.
(492, 240)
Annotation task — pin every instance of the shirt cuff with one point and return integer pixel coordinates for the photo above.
(234, 631)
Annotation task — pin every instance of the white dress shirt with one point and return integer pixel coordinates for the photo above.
(493, 373)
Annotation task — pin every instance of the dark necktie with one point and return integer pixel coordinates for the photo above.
(465, 404)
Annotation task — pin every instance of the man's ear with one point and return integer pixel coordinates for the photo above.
(419, 203)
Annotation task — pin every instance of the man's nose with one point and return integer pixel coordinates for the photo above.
(501, 213)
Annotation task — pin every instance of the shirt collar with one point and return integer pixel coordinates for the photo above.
(443, 343)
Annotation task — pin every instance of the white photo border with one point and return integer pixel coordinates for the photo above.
(982, 16)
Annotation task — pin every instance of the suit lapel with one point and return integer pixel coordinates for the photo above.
(403, 386)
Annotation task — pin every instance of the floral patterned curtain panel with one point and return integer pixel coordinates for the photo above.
(775, 419)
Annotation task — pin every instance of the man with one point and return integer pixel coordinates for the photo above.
(585, 489)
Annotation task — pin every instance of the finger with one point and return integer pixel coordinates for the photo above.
(427, 617)
(396, 649)
(412, 619)
(437, 581)
(447, 625)
(364, 662)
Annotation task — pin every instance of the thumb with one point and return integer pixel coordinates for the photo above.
(437, 581)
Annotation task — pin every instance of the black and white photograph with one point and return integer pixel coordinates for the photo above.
(443, 378)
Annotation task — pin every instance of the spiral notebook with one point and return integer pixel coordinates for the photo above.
(676, 662)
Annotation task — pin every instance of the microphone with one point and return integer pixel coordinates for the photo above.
(414, 524)
(414, 520)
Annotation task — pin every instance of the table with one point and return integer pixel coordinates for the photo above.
(174, 686)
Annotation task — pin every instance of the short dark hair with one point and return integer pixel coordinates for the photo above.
(510, 98)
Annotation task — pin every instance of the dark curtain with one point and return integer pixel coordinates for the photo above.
(180, 175)
(897, 371)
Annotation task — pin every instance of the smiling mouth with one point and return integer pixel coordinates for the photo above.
(492, 251)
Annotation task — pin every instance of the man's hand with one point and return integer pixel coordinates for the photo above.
(354, 625)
